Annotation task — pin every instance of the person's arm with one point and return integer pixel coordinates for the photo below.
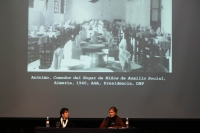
(71, 124)
(103, 124)
(120, 123)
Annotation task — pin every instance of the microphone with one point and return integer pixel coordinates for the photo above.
(108, 117)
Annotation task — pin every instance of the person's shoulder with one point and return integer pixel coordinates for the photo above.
(70, 120)
(118, 117)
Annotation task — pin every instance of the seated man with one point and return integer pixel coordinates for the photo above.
(64, 120)
(113, 120)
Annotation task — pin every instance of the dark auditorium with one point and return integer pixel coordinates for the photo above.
(100, 66)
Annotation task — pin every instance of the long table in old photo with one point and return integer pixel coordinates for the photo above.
(83, 130)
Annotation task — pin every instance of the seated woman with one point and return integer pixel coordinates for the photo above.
(112, 121)
(64, 120)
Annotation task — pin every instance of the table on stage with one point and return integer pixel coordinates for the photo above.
(84, 130)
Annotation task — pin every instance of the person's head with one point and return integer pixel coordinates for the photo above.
(64, 113)
(112, 111)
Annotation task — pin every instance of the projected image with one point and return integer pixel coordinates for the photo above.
(99, 36)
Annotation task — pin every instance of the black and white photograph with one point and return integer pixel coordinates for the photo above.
(99, 36)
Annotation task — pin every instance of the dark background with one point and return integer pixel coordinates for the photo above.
(184, 77)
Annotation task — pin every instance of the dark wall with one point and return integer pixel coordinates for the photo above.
(27, 125)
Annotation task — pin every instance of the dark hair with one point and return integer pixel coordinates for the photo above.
(62, 111)
(114, 109)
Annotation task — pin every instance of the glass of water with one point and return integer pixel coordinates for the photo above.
(57, 124)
